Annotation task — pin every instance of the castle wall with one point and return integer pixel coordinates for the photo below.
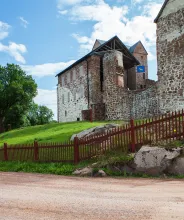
(72, 93)
(170, 53)
(121, 103)
(144, 104)
(78, 89)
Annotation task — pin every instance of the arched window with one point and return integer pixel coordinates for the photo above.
(63, 99)
(68, 96)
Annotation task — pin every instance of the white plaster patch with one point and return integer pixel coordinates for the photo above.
(172, 7)
(74, 103)
(171, 36)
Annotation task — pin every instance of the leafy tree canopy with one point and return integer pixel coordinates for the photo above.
(17, 91)
(39, 115)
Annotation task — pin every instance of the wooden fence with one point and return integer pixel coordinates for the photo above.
(165, 128)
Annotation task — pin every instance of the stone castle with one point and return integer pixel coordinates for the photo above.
(112, 80)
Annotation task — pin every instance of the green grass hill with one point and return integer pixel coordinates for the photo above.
(46, 133)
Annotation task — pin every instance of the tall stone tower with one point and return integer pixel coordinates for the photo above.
(170, 55)
(115, 87)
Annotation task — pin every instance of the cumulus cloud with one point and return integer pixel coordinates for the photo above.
(24, 23)
(14, 50)
(47, 98)
(64, 12)
(47, 69)
(111, 21)
(4, 30)
(63, 3)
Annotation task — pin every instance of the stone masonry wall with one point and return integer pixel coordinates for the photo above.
(115, 95)
(121, 103)
(144, 104)
(170, 53)
(74, 87)
(72, 93)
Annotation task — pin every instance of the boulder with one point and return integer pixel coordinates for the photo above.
(87, 171)
(100, 173)
(177, 167)
(155, 160)
(102, 129)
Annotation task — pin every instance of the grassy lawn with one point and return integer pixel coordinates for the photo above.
(47, 133)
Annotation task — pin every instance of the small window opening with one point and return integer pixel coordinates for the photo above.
(65, 113)
(144, 75)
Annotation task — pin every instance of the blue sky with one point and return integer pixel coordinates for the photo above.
(45, 36)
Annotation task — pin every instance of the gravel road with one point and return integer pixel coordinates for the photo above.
(34, 196)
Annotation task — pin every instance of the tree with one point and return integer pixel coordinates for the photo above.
(39, 114)
(17, 91)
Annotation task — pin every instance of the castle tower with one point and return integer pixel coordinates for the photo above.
(170, 55)
(115, 92)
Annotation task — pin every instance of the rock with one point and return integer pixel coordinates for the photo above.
(73, 136)
(177, 167)
(100, 173)
(155, 160)
(102, 129)
(87, 171)
(95, 165)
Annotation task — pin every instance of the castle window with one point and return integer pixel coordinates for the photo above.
(141, 86)
(144, 76)
(63, 80)
(74, 74)
(74, 91)
(68, 77)
(65, 113)
(71, 76)
(63, 99)
(68, 96)
(81, 91)
(81, 70)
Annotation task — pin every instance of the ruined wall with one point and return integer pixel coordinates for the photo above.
(95, 93)
(115, 94)
(131, 78)
(170, 54)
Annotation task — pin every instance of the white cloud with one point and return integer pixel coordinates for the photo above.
(4, 28)
(47, 98)
(14, 50)
(47, 69)
(112, 21)
(63, 3)
(24, 23)
(64, 12)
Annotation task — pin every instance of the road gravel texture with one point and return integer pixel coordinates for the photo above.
(33, 197)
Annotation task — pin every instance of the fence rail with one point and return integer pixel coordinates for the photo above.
(166, 128)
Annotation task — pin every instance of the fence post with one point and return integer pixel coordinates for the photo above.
(5, 152)
(76, 150)
(132, 135)
(35, 150)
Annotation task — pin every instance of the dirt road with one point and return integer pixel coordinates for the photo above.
(34, 196)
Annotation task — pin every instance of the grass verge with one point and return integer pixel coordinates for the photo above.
(66, 169)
